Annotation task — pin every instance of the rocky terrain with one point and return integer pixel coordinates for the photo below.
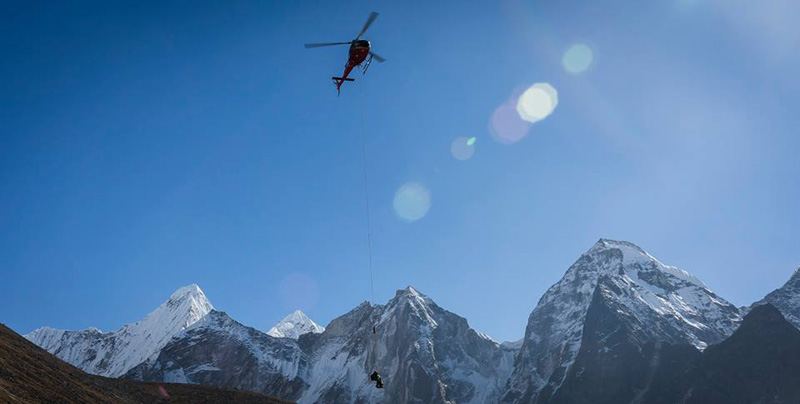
(619, 327)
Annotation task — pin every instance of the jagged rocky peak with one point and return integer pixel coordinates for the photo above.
(409, 303)
(189, 300)
(424, 353)
(786, 299)
(294, 325)
(411, 295)
(653, 293)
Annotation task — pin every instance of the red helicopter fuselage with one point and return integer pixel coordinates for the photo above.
(359, 50)
(360, 54)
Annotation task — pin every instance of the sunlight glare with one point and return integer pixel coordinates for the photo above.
(412, 201)
(537, 102)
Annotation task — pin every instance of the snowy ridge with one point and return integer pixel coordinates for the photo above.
(631, 253)
(653, 292)
(425, 354)
(114, 353)
(294, 325)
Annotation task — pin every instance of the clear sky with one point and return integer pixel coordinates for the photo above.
(149, 145)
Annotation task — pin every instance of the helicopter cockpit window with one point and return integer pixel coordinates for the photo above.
(362, 43)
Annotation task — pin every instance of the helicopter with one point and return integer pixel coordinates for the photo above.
(360, 53)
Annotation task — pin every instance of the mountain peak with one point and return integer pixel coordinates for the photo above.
(631, 254)
(133, 343)
(187, 304)
(408, 290)
(631, 279)
(294, 325)
(786, 299)
(605, 243)
(188, 291)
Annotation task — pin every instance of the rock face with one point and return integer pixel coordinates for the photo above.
(424, 353)
(114, 353)
(786, 299)
(219, 351)
(294, 325)
(619, 327)
(661, 303)
(759, 363)
(622, 360)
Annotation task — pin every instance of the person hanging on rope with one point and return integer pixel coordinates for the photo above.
(375, 377)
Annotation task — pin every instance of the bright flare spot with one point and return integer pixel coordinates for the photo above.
(471, 141)
(412, 201)
(462, 148)
(577, 58)
(537, 102)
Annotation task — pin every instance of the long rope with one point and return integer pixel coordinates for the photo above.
(371, 352)
(366, 193)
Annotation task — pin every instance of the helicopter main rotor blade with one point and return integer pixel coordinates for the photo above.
(317, 45)
(369, 22)
(377, 57)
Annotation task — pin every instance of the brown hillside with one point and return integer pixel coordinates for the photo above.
(29, 374)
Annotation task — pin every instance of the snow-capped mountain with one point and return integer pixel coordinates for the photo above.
(294, 325)
(219, 351)
(114, 353)
(786, 299)
(424, 353)
(620, 326)
(666, 303)
(620, 361)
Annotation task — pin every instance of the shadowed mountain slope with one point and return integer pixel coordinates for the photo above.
(28, 374)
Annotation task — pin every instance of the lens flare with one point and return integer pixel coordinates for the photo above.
(577, 58)
(462, 148)
(505, 125)
(537, 102)
(471, 141)
(412, 201)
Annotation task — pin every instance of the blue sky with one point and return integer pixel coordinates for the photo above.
(152, 145)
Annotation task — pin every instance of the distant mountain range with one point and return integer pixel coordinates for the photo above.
(619, 327)
(29, 374)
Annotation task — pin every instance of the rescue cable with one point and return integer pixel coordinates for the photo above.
(371, 351)
(366, 193)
